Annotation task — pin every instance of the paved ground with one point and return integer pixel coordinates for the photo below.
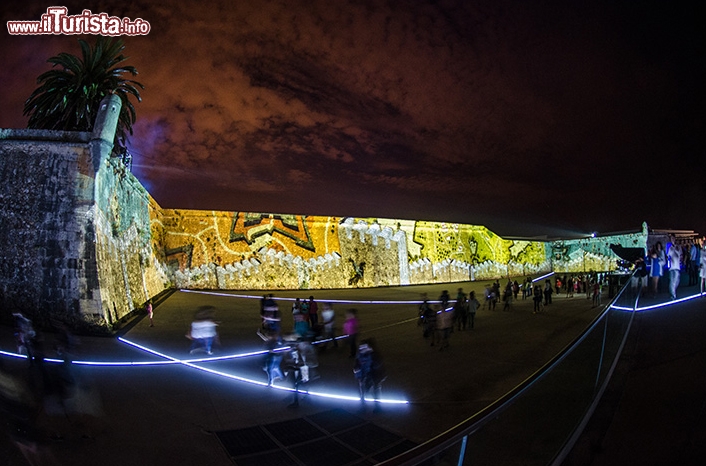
(170, 414)
(654, 411)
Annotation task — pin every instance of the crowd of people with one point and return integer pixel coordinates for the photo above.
(292, 357)
(671, 263)
(440, 319)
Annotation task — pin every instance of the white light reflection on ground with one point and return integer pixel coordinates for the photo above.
(256, 382)
(281, 298)
(169, 360)
(658, 305)
(191, 363)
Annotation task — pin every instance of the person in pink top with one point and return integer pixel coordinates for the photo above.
(150, 313)
(350, 328)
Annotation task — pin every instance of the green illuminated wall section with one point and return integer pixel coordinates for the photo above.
(587, 254)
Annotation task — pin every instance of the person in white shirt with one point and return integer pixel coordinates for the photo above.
(674, 269)
(203, 331)
(702, 268)
(327, 316)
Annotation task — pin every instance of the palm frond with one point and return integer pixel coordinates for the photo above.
(68, 95)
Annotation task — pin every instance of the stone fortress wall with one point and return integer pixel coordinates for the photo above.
(84, 240)
(238, 250)
(74, 226)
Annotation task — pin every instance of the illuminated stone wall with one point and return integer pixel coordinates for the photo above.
(82, 237)
(129, 272)
(46, 187)
(75, 227)
(593, 254)
(237, 250)
(453, 252)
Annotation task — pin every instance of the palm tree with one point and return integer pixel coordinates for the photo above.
(68, 98)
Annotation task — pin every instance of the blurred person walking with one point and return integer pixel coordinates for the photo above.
(300, 366)
(203, 330)
(695, 262)
(300, 317)
(313, 313)
(444, 325)
(656, 262)
(473, 306)
(328, 317)
(702, 269)
(150, 313)
(675, 257)
(369, 370)
(350, 328)
(548, 292)
(537, 299)
(444, 299)
(639, 276)
(25, 335)
(273, 360)
(461, 310)
(271, 318)
(430, 324)
(596, 292)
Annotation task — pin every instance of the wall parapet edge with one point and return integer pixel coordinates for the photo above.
(44, 135)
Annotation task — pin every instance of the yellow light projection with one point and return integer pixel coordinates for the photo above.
(475, 248)
(241, 250)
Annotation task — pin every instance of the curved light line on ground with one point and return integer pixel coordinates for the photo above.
(190, 363)
(171, 361)
(13, 355)
(150, 363)
(281, 298)
(174, 360)
(659, 305)
(255, 382)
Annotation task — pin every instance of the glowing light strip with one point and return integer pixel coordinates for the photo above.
(337, 301)
(170, 362)
(543, 276)
(122, 363)
(13, 355)
(155, 363)
(281, 298)
(284, 348)
(257, 382)
(659, 305)
(193, 360)
(24, 356)
(340, 337)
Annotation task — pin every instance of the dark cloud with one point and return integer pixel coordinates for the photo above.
(524, 116)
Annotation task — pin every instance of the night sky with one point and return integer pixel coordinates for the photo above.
(529, 117)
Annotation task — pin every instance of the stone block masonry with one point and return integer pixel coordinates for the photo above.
(74, 227)
(46, 183)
